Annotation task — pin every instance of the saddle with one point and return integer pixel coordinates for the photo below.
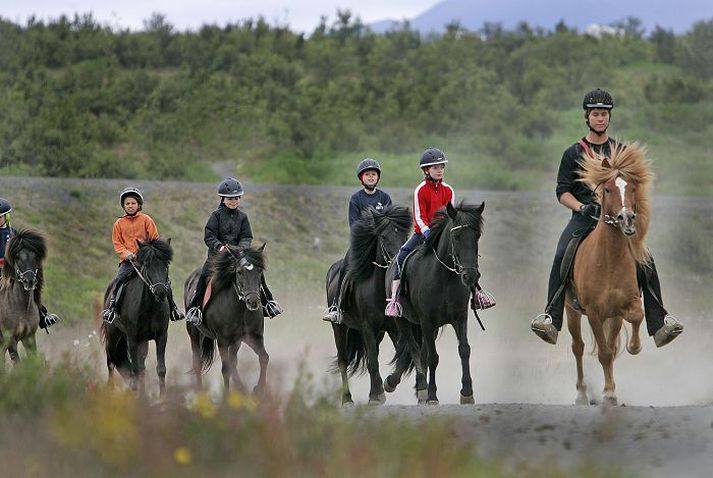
(566, 269)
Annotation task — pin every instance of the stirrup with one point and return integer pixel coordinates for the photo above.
(110, 315)
(271, 309)
(671, 329)
(393, 307)
(333, 314)
(194, 316)
(177, 314)
(482, 300)
(48, 320)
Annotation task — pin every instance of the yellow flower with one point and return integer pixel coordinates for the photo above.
(182, 455)
(237, 401)
(205, 406)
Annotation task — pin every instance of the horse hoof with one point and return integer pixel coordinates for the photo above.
(387, 385)
(609, 401)
(633, 351)
(348, 404)
(421, 396)
(465, 400)
(432, 402)
(582, 400)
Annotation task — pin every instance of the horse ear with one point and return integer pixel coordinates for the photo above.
(605, 163)
(451, 210)
(262, 248)
(481, 208)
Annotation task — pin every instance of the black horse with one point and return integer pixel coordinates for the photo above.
(232, 315)
(436, 285)
(20, 289)
(143, 316)
(375, 240)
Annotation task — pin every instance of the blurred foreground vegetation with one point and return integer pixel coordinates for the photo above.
(79, 98)
(61, 422)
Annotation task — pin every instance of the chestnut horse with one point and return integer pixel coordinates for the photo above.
(604, 284)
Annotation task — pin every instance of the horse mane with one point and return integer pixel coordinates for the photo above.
(24, 239)
(365, 234)
(154, 249)
(223, 266)
(466, 215)
(629, 160)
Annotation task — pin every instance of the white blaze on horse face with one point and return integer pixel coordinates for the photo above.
(621, 184)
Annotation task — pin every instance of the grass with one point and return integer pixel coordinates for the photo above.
(55, 420)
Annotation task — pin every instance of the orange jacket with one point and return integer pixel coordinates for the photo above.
(129, 229)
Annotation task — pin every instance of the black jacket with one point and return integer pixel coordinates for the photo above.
(568, 175)
(227, 226)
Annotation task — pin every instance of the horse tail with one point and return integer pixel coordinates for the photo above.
(356, 353)
(403, 352)
(115, 346)
(207, 353)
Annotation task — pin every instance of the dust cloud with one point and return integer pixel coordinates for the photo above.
(509, 364)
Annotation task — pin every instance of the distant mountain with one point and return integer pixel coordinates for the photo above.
(472, 14)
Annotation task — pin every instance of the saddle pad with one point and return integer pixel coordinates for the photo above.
(208, 292)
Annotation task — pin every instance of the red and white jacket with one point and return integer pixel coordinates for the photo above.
(428, 198)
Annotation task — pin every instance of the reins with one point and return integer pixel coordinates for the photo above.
(150, 285)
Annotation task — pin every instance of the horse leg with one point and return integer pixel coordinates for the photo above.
(133, 352)
(635, 317)
(340, 341)
(226, 361)
(12, 350)
(196, 344)
(257, 343)
(574, 324)
(161, 363)
(143, 349)
(431, 356)
(466, 393)
(411, 354)
(376, 392)
(234, 374)
(606, 357)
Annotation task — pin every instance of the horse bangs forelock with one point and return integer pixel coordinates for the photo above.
(26, 239)
(466, 215)
(155, 249)
(223, 266)
(629, 160)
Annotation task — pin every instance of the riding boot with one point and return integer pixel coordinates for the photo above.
(194, 314)
(270, 307)
(126, 271)
(659, 323)
(47, 319)
(393, 307)
(176, 313)
(334, 312)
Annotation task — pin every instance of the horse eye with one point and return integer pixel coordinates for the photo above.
(606, 190)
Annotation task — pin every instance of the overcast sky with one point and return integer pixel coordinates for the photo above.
(301, 15)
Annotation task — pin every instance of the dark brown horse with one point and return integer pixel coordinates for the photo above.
(605, 286)
(21, 281)
(232, 315)
(143, 316)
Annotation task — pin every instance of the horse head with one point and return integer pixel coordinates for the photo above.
(154, 257)
(619, 201)
(249, 266)
(458, 230)
(25, 252)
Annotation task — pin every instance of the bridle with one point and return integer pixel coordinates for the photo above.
(151, 285)
(458, 267)
(244, 264)
(613, 220)
(389, 258)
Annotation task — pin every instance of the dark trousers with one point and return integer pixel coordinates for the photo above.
(647, 277)
(405, 250)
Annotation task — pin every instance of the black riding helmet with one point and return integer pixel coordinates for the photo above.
(131, 192)
(432, 156)
(230, 188)
(597, 99)
(368, 164)
(5, 207)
